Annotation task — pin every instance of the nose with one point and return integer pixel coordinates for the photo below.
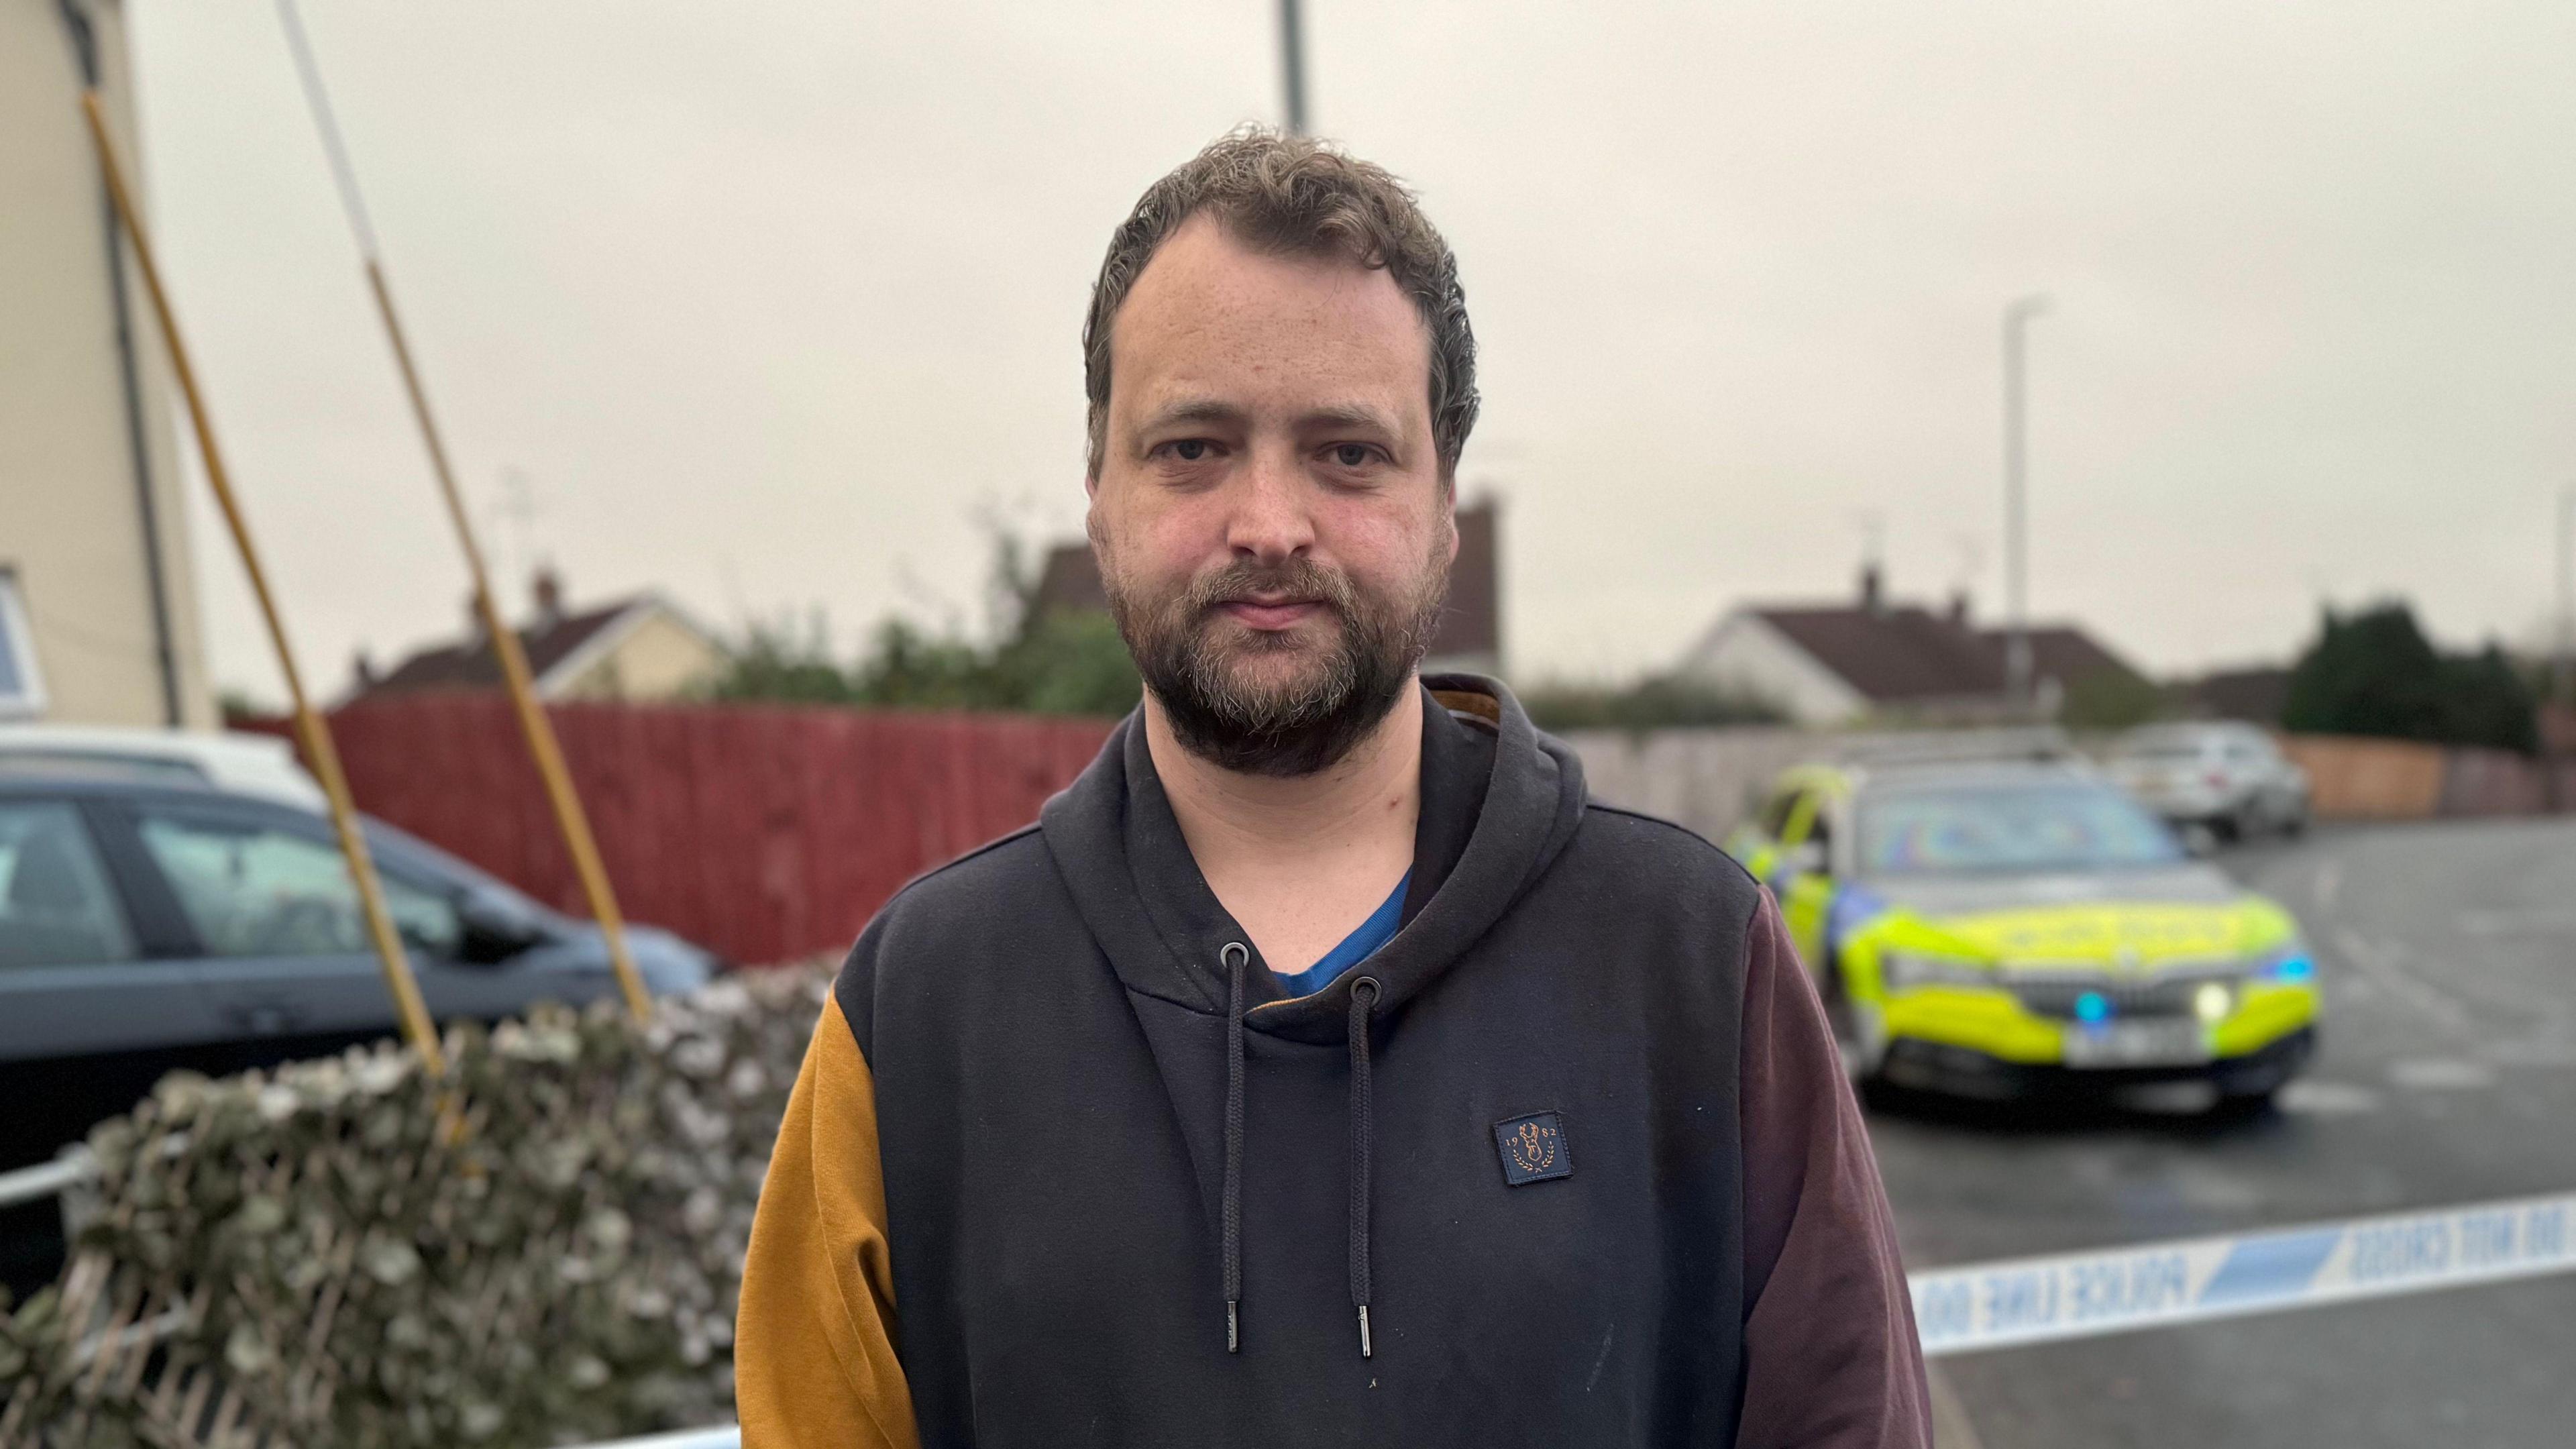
(1269, 522)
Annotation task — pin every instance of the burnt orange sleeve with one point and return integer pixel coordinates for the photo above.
(814, 1359)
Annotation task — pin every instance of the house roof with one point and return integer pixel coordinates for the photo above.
(2062, 652)
(1892, 654)
(470, 664)
(1070, 581)
(1898, 654)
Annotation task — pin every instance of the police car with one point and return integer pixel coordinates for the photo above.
(2002, 923)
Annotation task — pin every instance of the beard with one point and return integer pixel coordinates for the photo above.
(1283, 704)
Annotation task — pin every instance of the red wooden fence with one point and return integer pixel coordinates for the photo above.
(762, 832)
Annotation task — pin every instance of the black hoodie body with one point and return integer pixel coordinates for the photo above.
(1515, 1133)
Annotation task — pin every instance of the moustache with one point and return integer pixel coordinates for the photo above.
(1301, 583)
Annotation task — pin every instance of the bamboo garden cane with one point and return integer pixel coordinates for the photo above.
(309, 727)
(542, 745)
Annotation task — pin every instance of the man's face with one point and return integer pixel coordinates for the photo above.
(1273, 524)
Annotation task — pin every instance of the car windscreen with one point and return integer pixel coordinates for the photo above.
(2006, 828)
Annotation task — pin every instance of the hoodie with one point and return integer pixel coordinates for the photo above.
(1570, 1160)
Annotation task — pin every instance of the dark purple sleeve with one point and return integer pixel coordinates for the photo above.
(1829, 1347)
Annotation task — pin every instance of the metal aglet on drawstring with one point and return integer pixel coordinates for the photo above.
(1235, 956)
(1364, 994)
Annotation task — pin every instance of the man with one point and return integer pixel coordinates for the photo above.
(1323, 1068)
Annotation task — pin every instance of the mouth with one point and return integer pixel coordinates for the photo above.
(1271, 615)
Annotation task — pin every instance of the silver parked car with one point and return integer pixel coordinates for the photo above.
(2230, 778)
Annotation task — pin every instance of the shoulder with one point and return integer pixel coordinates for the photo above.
(1659, 877)
(963, 911)
(1636, 838)
(978, 881)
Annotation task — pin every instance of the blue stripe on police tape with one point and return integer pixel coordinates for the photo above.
(2270, 1266)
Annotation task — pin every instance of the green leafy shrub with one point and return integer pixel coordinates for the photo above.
(2374, 673)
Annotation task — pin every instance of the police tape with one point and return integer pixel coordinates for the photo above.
(2190, 1280)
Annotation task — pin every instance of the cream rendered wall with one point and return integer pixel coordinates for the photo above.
(70, 518)
(658, 657)
(1744, 653)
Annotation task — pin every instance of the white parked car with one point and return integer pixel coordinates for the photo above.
(2230, 778)
(246, 764)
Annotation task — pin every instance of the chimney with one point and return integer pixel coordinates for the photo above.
(1872, 597)
(364, 668)
(548, 588)
(1959, 608)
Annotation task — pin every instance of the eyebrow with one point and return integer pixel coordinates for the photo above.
(1215, 410)
(1192, 410)
(1353, 415)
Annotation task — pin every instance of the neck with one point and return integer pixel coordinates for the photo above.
(1362, 806)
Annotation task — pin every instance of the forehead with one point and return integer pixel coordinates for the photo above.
(1209, 312)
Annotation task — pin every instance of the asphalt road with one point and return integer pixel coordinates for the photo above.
(2447, 1075)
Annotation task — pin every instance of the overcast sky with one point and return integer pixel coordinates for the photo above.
(771, 303)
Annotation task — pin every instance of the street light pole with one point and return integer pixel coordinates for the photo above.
(2565, 683)
(1292, 63)
(2017, 665)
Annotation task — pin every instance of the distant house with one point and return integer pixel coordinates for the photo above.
(638, 648)
(1835, 663)
(1470, 636)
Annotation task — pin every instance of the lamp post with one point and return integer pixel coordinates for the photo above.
(1292, 64)
(2017, 671)
(2565, 682)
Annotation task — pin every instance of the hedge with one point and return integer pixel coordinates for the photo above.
(541, 1249)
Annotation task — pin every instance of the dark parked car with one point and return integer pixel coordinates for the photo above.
(147, 925)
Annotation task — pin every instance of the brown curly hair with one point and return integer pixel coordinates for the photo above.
(1297, 195)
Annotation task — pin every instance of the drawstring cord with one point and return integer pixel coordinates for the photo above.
(1234, 955)
(1364, 994)
(1363, 1124)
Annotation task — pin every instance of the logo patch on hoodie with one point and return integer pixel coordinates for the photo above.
(1533, 1148)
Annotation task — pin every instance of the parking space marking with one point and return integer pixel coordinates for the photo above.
(2518, 923)
(2155, 1285)
(2382, 968)
(2317, 1097)
(2438, 1074)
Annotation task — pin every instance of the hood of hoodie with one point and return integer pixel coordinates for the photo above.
(1499, 802)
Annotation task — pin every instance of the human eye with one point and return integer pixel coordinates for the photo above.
(1186, 450)
(1354, 456)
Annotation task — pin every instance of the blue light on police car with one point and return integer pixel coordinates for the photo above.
(2092, 1008)
(2294, 968)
